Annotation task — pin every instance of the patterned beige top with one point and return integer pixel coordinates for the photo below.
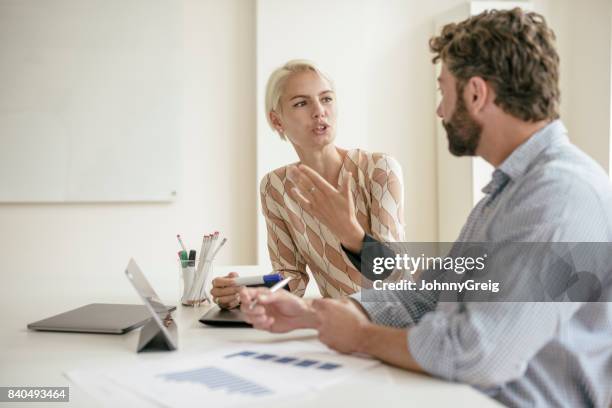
(296, 239)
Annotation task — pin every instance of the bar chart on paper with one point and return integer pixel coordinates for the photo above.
(218, 379)
(294, 361)
(238, 376)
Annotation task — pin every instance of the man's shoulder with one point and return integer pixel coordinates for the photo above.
(567, 169)
(565, 195)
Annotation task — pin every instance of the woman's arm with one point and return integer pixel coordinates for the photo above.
(284, 256)
(387, 198)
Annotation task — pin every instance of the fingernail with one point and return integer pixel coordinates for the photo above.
(263, 298)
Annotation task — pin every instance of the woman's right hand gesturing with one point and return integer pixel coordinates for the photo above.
(333, 207)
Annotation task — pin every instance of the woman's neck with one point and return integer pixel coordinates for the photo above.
(326, 161)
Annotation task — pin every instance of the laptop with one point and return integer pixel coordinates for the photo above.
(110, 318)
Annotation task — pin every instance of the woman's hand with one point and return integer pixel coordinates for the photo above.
(334, 208)
(225, 291)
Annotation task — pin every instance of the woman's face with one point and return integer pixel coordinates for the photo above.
(308, 111)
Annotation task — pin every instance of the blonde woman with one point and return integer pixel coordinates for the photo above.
(301, 108)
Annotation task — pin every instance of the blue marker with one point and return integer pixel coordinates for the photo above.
(258, 280)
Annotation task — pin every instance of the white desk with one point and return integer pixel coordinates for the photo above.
(30, 358)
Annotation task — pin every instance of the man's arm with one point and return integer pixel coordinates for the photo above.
(485, 344)
(345, 326)
(390, 345)
(387, 344)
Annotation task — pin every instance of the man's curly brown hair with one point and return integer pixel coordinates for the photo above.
(514, 51)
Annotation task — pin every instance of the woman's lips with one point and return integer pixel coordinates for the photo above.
(321, 129)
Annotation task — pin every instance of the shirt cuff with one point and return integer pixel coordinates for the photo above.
(355, 258)
(385, 310)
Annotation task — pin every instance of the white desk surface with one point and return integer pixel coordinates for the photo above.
(29, 358)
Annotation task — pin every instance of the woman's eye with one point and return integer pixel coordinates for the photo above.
(299, 104)
(327, 99)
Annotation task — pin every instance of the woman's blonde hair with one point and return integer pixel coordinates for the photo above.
(276, 84)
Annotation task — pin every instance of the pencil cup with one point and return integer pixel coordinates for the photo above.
(193, 279)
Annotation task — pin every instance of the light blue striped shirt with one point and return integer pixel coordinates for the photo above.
(524, 354)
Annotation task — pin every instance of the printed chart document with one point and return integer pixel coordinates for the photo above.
(237, 375)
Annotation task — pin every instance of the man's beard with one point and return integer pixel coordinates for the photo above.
(462, 131)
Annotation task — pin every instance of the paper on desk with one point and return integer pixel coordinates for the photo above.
(241, 374)
(106, 392)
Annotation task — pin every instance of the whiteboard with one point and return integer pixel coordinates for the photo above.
(90, 100)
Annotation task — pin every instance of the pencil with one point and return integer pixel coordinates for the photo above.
(273, 289)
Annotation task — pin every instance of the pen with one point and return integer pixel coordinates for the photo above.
(192, 257)
(273, 289)
(188, 277)
(183, 257)
(258, 280)
(178, 236)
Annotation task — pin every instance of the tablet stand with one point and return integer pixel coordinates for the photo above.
(154, 338)
(159, 333)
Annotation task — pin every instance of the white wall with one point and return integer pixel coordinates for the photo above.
(584, 36)
(93, 242)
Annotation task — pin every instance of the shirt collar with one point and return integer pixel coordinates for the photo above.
(521, 158)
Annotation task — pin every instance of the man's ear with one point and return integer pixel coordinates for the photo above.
(476, 93)
(276, 122)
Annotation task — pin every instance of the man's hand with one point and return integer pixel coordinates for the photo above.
(342, 324)
(345, 327)
(224, 291)
(334, 208)
(277, 312)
